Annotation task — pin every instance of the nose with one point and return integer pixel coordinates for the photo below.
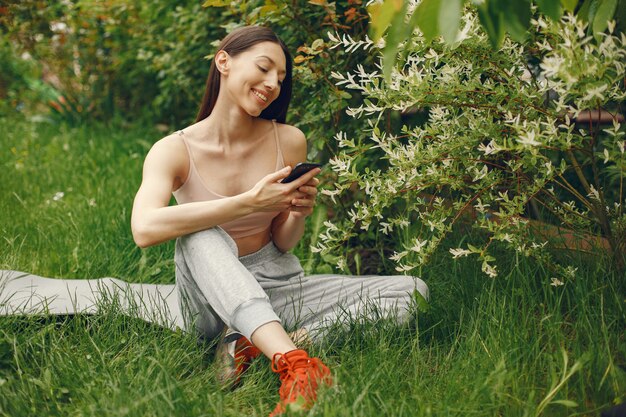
(271, 83)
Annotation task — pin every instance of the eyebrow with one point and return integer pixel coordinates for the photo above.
(272, 61)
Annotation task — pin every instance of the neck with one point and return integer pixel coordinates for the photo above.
(228, 123)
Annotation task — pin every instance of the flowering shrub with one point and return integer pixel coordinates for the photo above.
(499, 134)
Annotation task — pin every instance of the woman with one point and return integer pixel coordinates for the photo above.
(235, 221)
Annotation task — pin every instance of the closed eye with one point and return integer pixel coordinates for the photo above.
(261, 68)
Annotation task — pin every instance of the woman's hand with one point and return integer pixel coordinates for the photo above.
(303, 206)
(269, 194)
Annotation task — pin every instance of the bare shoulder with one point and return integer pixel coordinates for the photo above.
(168, 154)
(292, 143)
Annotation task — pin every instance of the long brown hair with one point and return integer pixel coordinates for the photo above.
(235, 43)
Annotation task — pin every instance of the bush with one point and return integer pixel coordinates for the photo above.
(497, 133)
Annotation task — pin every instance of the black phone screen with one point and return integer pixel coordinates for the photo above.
(300, 169)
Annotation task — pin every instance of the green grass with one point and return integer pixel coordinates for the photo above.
(513, 346)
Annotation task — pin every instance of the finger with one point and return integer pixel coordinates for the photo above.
(278, 175)
(308, 190)
(313, 183)
(305, 178)
(298, 194)
(303, 202)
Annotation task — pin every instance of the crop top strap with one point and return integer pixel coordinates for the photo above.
(280, 162)
(189, 156)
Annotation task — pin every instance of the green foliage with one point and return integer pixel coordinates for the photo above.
(17, 75)
(497, 17)
(500, 134)
(138, 59)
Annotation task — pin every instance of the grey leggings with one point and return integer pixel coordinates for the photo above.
(217, 288)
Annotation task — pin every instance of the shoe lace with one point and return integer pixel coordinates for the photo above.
(304, 372)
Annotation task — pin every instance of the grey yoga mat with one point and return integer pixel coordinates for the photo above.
(22, 293)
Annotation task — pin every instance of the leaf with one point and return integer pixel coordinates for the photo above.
(605, 12)
(427, 18)
(420, 301)
(583, 12)
(381, 16)
(516, 19)
(398, 32)
(569, 5)
(216, 3)
(566, 403)
(491, 20)
(473, 248)
(551, 8)
(449, 19)
(299, 59)
(591, 12)
(305, 49)
(317, 44)
(318, 2)
(268, 9)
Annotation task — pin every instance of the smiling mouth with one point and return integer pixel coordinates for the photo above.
(262, 97)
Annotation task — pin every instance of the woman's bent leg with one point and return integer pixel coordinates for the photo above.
(215, 289)
(317, 301)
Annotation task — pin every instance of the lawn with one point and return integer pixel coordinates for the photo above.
(510, 346)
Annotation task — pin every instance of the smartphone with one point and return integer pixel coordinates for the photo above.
(300, 169)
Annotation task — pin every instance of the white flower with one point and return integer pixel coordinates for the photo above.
(341, 263)
(571, 271)
(528, 139)
(506, 238)
(478, 175)
(480, 207)
(556, 282)
(551, 66)
(488, 149)
(596, 92)
(417, 247)
(458, 252)
(330, 225)
(489, 270)
(403, 268)
(593, 193)
(59, 195)
(548, 166)
(332, 194)
(398, 255)
(611, 25)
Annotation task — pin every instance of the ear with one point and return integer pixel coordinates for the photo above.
(222, 61)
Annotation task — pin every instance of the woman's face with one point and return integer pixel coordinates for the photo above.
(254, 77)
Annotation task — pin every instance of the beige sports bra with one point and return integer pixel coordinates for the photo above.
(194, 190)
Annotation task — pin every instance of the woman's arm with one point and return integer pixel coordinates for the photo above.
(288, 226)
(153, 221)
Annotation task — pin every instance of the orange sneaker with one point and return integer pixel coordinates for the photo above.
(300, 376)
(234, 358)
